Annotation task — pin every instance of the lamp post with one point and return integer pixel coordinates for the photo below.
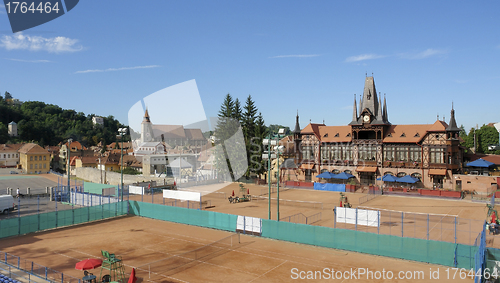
(69, 165)
(122, 132)
(269, 142)
(278, 148)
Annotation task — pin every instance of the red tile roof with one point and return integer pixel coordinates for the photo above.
(438, 126)
(31, 148)
(406, 133)
(335, 133)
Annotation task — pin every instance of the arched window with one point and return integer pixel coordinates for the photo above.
(401, 174)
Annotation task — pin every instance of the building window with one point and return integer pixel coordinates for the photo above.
(437, 155)
(8, 155)
(367, 152)
(307, 152)
(31, 166)
(44, 165)
(36, 166)
(44, 157)
(17, 155)
(402, 153)
(36, 157)
(415, 154)
(389, 152)
(325, 152)
(347, 152)
(31, 158)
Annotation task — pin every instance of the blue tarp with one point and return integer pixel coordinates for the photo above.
(480, 163)
(329, 187)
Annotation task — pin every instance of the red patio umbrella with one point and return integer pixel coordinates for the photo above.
(132, 277)
(87, 264)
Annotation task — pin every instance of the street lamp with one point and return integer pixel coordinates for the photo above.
(122, 132)
(281, 132)
(69, 165)
(269, 142)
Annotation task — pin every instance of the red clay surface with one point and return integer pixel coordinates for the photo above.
(140, 241)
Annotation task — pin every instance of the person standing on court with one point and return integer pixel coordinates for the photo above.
(17, 192)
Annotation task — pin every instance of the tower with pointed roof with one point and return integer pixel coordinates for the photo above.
(371, 121)
(452, 129)
(146, 129)
(297, 138)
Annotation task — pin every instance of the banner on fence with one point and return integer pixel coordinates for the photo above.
(329, 187)
(182, 195)
(86, 199)
(358, 216)
(250, 225)
(137, 190)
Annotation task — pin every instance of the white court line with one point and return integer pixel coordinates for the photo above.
(269, 271)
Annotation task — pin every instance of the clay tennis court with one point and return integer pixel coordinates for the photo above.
(140, 241)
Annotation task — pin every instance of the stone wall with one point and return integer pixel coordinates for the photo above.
(113, 178)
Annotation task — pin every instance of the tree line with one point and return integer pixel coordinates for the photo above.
(48, 124)
(485, 136)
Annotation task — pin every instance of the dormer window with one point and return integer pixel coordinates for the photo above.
(337, 135)
(403, 135)
(325, 135)
(389, 135)
(348, 135)
(417, 135)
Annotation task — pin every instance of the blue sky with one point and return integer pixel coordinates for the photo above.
(310, 56)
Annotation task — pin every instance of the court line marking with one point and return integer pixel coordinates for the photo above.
(268, 271)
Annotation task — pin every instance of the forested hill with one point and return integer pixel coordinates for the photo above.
(48, 124)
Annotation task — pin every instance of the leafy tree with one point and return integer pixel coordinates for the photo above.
(273, 130)
(487, 135)
(4, 136)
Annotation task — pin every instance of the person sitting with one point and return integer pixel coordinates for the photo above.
(493, 228)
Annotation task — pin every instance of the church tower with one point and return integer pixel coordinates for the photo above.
(146, 129)
(372, 119)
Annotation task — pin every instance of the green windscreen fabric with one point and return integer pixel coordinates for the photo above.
(384, 245)
(201, 218)
(61, 218)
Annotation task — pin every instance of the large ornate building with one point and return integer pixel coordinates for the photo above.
(370, 146)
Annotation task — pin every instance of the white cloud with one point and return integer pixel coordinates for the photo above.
(296, 56)
(363, 57)
(29, 61)
(38, 43)
(2, 7)
(117, 69)
(424, 54)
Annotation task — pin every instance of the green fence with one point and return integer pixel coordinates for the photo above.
(436, 252)
(385, 245)
(43, 221)
(203, 218)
